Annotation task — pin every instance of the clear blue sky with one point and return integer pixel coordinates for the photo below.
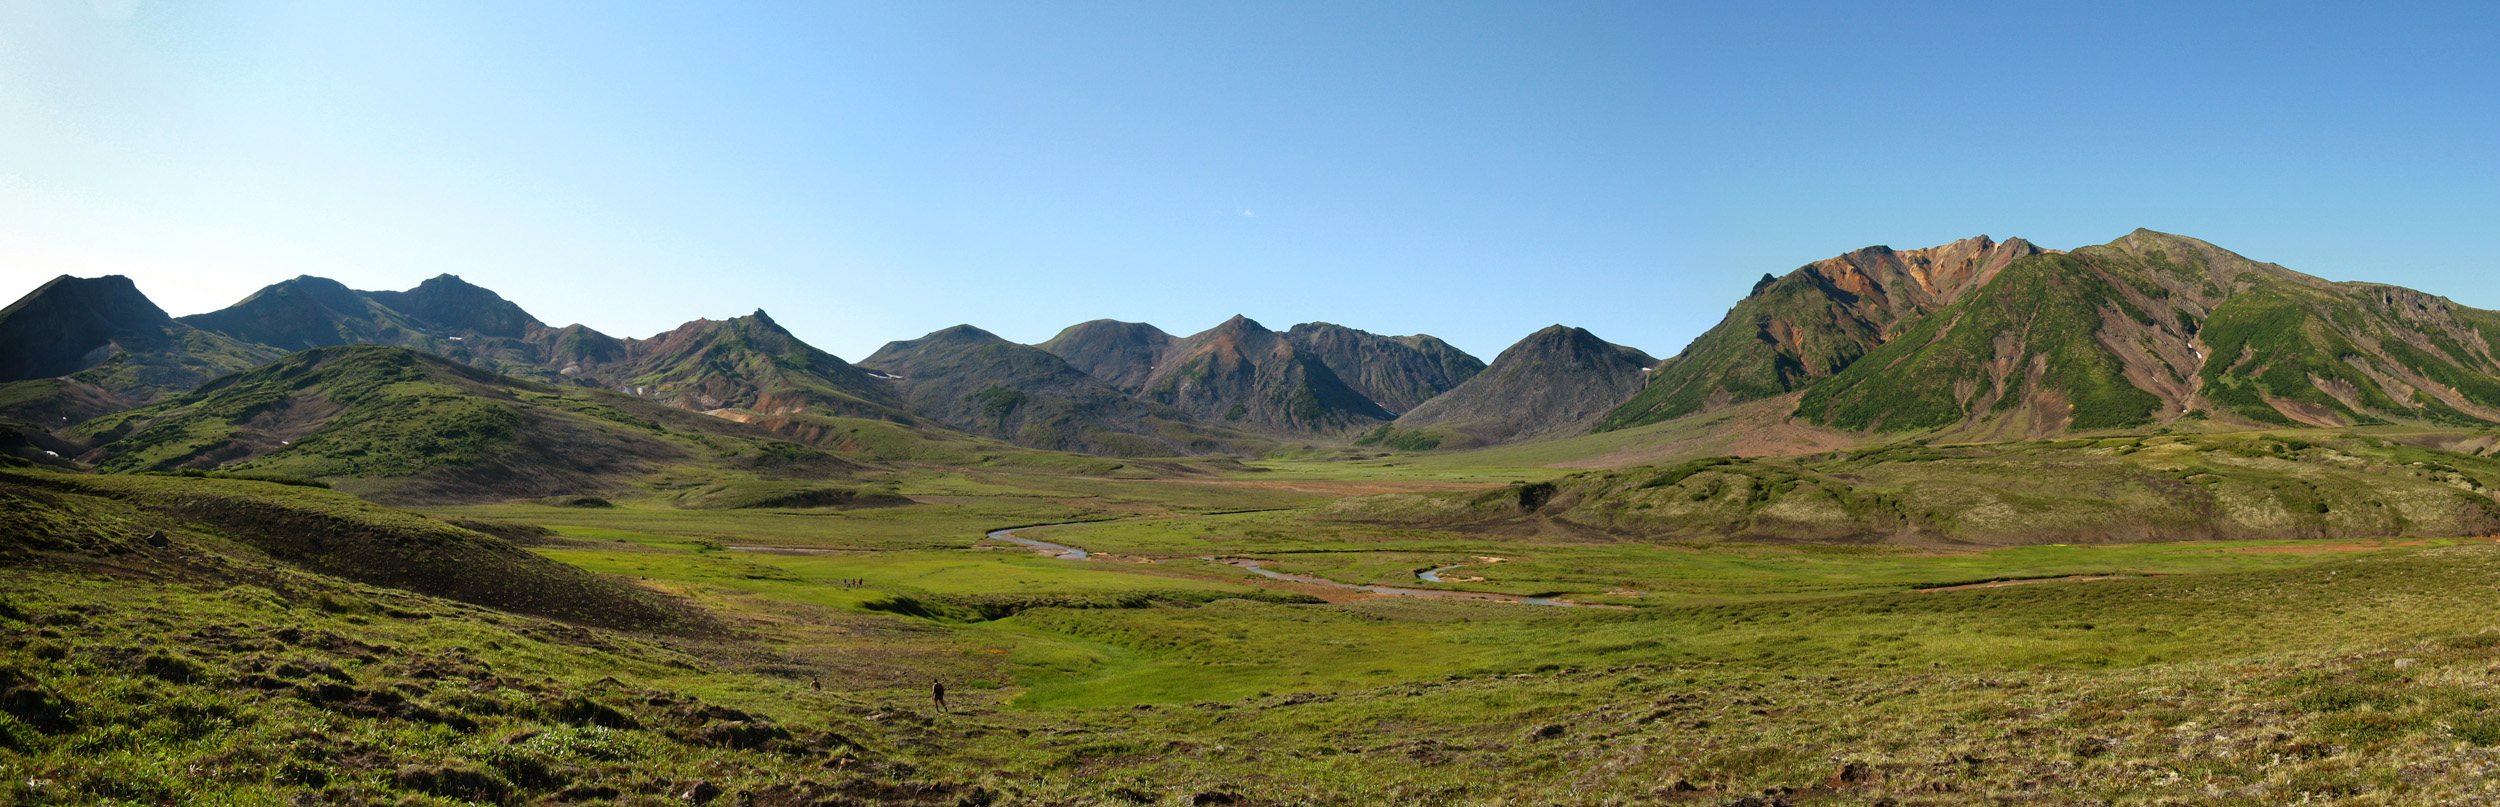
(875, 171)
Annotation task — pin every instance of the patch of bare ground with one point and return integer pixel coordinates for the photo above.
(2080, 578)
(2341, 547)
(1339, 487)
(1755, 429)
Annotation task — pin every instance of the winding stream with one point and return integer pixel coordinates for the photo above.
(1066, 552)
(1063, 551)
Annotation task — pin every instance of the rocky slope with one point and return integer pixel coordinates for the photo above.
(1240, 374)
(973, 380)
(1317, 378)
(1803, 327)
(2155, 328)
(1121, 354)
(1396, 372)
(1554, 382)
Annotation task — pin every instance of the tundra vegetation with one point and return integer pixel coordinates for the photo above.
(2140, 523)
(206, 639)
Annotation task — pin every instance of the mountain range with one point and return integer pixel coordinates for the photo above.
(1970, 341)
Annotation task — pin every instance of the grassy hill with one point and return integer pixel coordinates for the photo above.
(400, 425)
(2146, 332)
(2387, 484)
(1817, 320)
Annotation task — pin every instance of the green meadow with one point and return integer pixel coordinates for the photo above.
(1159, 671)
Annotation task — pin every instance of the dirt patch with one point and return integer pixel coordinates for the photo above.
(1753, 429)
(2080, 578)
(1341, 487)
(2341, 547)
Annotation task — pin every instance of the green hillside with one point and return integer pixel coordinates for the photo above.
(1810, 324)
(394, 423)
(2249, 486)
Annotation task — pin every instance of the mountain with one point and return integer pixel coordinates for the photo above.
(2155, 328)
(746, 362)
(1554, 382)
(447, 303)
(393, 424)
(1803, 327)
(1243, 375)
(1316, 378)
(1396, 372)
(973, 380)
(749, 363)
(1121, 354)
(309, 312)
(445, 316)
(115, 339)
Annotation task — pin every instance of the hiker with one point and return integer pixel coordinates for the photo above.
(937, 692)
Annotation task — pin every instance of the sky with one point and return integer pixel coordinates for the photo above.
(869, 172)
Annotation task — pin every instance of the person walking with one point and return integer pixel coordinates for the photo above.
(937, 692)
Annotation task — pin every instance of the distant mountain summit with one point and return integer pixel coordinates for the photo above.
(1396, 372)
(445, 316)
(1121, 354)
(1803, 327)
(973, 380)
(749, 363)
(70, 324)
(114, 338)
(1317, 378)
(1554, 382)
(1241, 374)
(447, 303)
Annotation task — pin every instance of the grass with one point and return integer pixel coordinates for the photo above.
(2226, 672)
(2307, 484)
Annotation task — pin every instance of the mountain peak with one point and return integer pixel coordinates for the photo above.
(1553, 381)
(449, 304)
(963, 332)
(1242, 324)
(1121, 354)
(70, 324)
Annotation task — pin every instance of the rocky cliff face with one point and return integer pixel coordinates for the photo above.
(1396, 372)
(1811, 323)
(1554, 382)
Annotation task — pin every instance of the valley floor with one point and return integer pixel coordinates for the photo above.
(1161, 670)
